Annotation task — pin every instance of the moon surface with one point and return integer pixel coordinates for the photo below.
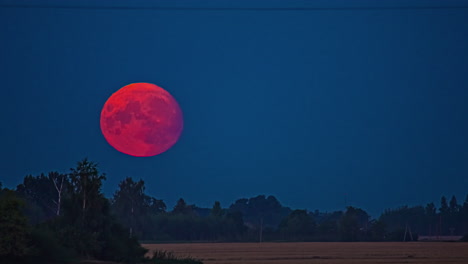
(142, 120)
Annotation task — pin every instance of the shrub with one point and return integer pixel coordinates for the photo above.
(47, 248)
(165, 257)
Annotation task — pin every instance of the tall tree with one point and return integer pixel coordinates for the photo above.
(89, 227)
(453, 205)
(217, 211)
(130, 203)
(182, 208)
(85, 184)
(430, 210)
(60, 182)
(454, 222)
(443, 216)
(44, 191)
(134, 209)
(86, 210)
(156, 206)
(444, 209)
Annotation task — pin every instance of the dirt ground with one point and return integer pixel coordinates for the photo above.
(317, 252)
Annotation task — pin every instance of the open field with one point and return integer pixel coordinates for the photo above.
(316, 252)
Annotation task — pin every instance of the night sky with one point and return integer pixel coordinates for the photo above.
(321, 108)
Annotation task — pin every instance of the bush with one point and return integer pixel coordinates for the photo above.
(165, 257)
(119, 247)
(47, 248)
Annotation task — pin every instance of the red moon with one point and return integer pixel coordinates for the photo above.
(142, 120)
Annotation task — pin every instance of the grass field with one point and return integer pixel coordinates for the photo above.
(315, 252)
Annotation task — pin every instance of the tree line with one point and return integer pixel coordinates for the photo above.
(59, 218)
(69, 211)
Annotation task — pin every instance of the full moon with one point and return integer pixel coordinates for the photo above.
(142, 120)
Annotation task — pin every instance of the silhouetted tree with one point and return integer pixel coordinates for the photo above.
(60, 182)
(85, 185)
(134, 209)
(85, 209)
(444, 209)
(454, 216)
(41, 197)
(354, 224)
(182, 208)
(217, 211)
(156, 206)
(328, 225)
(88, 226)
(129, 203)
(453, 206)
(443, 216)
(299, 225)
(261, 210)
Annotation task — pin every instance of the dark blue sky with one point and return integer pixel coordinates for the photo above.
(316, 107)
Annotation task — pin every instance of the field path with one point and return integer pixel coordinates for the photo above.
(317, 252)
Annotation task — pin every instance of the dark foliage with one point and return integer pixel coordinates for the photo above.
(14, 229)
(58, 218)
(48, 247)
(298, 226)
(79, 225)
(165, 257)
(261, 210)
